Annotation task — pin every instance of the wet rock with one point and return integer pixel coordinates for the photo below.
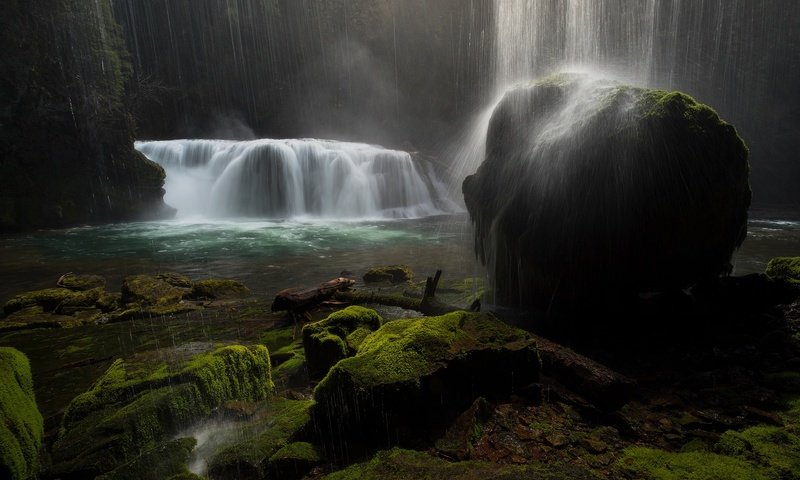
(294, 460)
(218, 289)
(160, 289)
(140, 403)
(591, 188)
(414, 374)
(459, 439)
(75, 282)
(337, 337)
(49, 299)
(391, 274)
(784, 268)
(21, 424)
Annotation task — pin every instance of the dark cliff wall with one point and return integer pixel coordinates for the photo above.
(66, 136)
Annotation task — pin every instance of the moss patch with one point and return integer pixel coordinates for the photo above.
(337, 337)
(137, 404)
(390, 273)
(164, 461)
(413, 374)
(785, 268)
(398, 464)
(649, 463)
(21, 425)
(76, 282)
(161, 289)
(214, 288)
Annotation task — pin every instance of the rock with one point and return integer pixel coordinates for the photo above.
(79, 283)
(459, 439)
(21, 424)
(294, 460)
(49, 299)
(108, 302)
(414, 375)
(391, 274)
(160, 289)
(218, 289)
(164, 461)
(337, 337)
(139, 404)
(595, 382)
(784, 268)
(591, 188)
(249, 454)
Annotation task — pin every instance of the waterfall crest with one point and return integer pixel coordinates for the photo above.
(295, 178)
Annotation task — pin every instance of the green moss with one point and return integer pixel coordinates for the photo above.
(161, 289)
(21, 425)
(139, 403)
(328, 341)
(214, 288)
(277, 338)
(48, 299)
(289, 365)
(390, 273)
(410, 372)
(75, 282)
(398, 464)
(648, 463)
(785, 268)
(279, 425)
(164, 461)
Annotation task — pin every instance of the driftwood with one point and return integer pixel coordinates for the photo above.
(302, 299)
(595, 382)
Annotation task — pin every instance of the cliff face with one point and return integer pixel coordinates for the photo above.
(66, 134)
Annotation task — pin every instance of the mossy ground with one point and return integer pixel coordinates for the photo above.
(21, 429)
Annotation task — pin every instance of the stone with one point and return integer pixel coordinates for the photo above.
(391, 274)
(595, 189)
(337, 337)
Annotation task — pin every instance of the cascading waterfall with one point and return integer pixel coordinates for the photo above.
(295, 178)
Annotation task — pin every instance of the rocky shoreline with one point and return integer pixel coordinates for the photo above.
(170, 373)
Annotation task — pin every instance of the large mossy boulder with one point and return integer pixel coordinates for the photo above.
(21, 424)
(590, 187)
(413, 376)
(140, 403)
(337, 337)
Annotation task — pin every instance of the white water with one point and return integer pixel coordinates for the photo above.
(295, 178)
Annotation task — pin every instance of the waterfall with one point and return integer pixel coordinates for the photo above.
(295, 178)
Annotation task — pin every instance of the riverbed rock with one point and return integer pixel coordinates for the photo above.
(218, 289)
(159, 289)
(140, 403)
(784, 268)
(337, 337)
(413, 376)
(76, 282)
(21, 424)
(52, 300)
(390, 273)
(592, 188)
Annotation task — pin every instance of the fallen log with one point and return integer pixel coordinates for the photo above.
(595, 382)
(295, 300)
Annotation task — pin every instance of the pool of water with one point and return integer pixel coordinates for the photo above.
(269, 256)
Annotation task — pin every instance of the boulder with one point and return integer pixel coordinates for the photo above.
(591, 187)
(413, 376)
(391, 274)
(159, 289)
(21, 424)
(72, 281)
(337, 337)
(218, 289)
(52, 300)
(141, 403)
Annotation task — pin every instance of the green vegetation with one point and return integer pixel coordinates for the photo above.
(391, 273)
(337, 337)
(21, 424)
(785, 268)
(398, 464)
(213, 288)
(649, 463)
(279, 424)
(139, 403)
(294, 460)
(164, 461)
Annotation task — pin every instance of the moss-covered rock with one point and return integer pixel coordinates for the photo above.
(21, 424)
(248, 457)
(390, 273)
(214, 288)
(398, 464)
(50, 299)
(591, 188)
(337, 337)
(139, 403)
(155, 290)
(414, 375)
(164, 461)
(72, 281)
(294, 460)
(784, 268)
